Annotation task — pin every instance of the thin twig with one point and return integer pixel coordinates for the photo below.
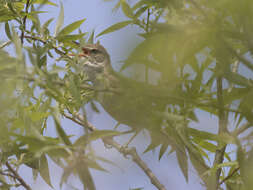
(126, 151)
(136, 158)
(219, 154)
(7, 174)
(5, 44)
(229, 176)
(241, 129)
(24, 21)
(17, 176)
(45, 42)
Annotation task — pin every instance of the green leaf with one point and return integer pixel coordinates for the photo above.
(163, 150)
(115, 27)
(67, 172)
(62, 133)
(139, 4)
(98, 134)
(7, 30)
(85, 176)
(44, 170)
(36, 116)
(91, 38)
(59, 21)
(140, 11)
(17, 43)
(127, 9)
(202, 134)
(71, 27)
(151, 146)
(46, 24)
(183, 162)
(94, 165)
(70, 37)
(43, 2)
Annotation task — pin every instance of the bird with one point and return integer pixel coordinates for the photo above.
(130, 102)
(138, 105)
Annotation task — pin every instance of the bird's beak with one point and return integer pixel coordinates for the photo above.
(85, 53)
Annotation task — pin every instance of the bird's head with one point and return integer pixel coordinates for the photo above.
(98, 60)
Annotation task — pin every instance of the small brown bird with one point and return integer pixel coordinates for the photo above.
(128, 101)
(136, 104)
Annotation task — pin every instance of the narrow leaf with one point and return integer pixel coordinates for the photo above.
(62, 133)
(183, 162)
(70, 37)
(7, 30)
(44, 170)
(127, 9)
(60, 20)
(115, 27)
(71, 27)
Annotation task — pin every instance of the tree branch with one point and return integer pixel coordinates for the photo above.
(24, 21)
(5, 44)
(125, 151)
(17, 176)
(229, 176)
(45, 42)
(241, 129)
(219, 154)
(136, 158)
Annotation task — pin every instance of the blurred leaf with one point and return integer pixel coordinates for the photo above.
(62, 133)
(151, 146)
(46, 24)
(7, 30)
(141, 3)
(44, 170)
(93, 164)
(163, 150)
(183, 162)
(42, 61)
(17, 42)
(202, 134)
(140, 11)
(66, 173)
(115, 27)
(59, 20)
(127, 9)
(36, 116)
(85, 176)
(47, 2)
(98, 134)
(71, 27)
(91, 38)
(70, 37)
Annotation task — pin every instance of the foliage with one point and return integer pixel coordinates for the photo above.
(200, 50)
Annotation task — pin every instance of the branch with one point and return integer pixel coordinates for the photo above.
(241, 129)
(24, 21)
(229, 176)
(125, 151)
(219, 154)
(5, 44)
(17, 176)
(45, 42)
(136, 158)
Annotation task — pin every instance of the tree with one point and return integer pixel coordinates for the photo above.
(201, 50)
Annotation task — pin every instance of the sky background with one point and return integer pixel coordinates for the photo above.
(99, 16)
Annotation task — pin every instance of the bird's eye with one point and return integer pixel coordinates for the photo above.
(99, 58)
(94, 51)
